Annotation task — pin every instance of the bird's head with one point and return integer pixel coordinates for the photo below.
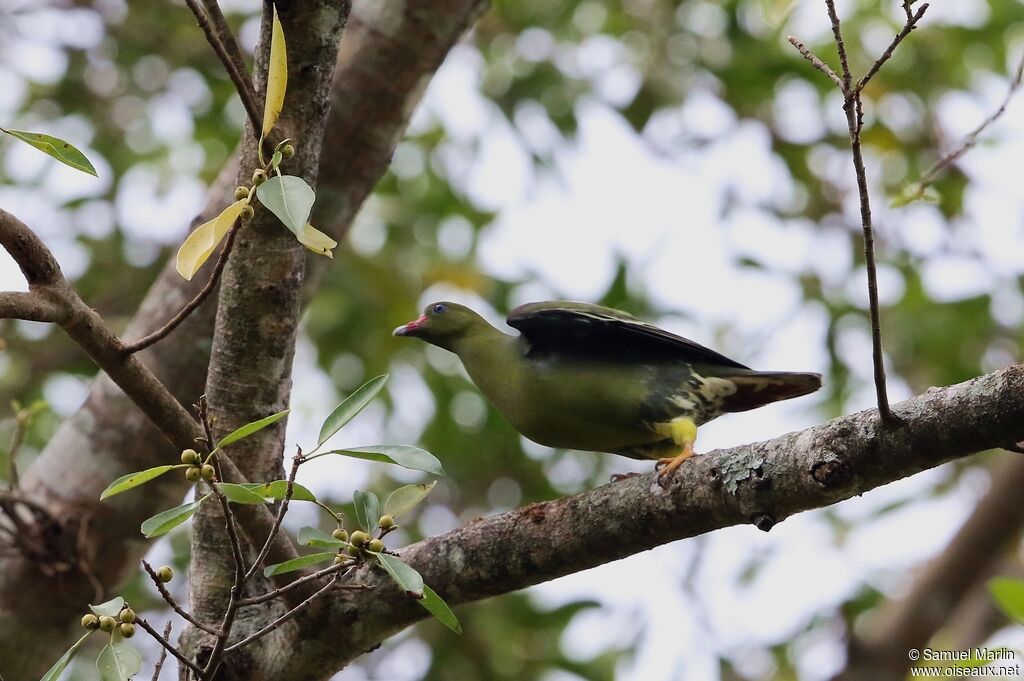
(443, 324)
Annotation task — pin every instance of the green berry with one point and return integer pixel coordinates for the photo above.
(359, 538)
(241, 193)
(189, 456)
(208, 472)
(287, 151)
(376, 545)
(340, 558)
(259, 177)
(90, 622)
(127, 629)
(192, 474)
(127, 615)
(165, 574)
(352, 550)
(247, 212)
(386, 522)
(107, 624)
(340, 533)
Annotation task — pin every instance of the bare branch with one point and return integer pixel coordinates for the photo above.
(31, 306)
(283, 618)
(837, 33)
(230, 61)
(169, 599)
(192, 305)
(163, 652)
(968, 143)
(320, 574)
(169, 647)
(815, 61)
(281, 511)
(912, 19)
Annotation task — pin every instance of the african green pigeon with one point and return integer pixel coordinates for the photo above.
(588, 377)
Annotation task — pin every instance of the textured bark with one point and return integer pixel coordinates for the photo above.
(109, 436)
(761, 483)
(980, 544)
(258, 315)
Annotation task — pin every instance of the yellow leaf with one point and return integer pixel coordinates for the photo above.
(204, 239)
(277, 77)
(316, 241)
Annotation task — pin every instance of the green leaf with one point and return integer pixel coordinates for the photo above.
(298, 563)
(109, 609)
(350, 407)
(118, 661)
(250, 428)
(404, 498)
(126, 482)
(404, 455)
(58, 667)
(277, 489)
(404, 576)
(201, 242)
(240, 494)
(436, 606)
(55, 147)
(165, 521)
(367, 509)
(289, 198)
(1009, 596)
(277, 76)
(311, 536)
(275, 160)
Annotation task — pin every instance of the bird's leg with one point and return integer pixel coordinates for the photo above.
(683, 432)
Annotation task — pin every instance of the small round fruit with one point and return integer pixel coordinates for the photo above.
(340, 558)
(241, 193)
(192, 474)
(386, 522)
(247, 212)
(127, 615)
(189, 456)
(352, 550)
(287, 151)
(127, 629)
(90, 622)
(165, 574)
(376, 545)
(208, 472)
(107, 624)
(340, 533)
(259, 177)
(359, 538)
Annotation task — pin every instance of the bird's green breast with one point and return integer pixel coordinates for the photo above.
(568, 402)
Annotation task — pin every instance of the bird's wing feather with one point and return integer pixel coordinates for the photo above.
(584, 329)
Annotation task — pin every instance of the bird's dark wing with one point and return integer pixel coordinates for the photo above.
(582, 329)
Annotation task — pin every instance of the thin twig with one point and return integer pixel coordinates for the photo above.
(327, 571)
(972, 139)
(184, 614)
(169, 648)
(815, 61)
(21, 422)
(163, 652)
(282, 619)
(912, 19)
(289, 490)
(837, 33)
(190, 307)
(227, 39)
(242, 85)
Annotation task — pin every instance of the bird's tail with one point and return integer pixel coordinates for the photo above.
(763, 387)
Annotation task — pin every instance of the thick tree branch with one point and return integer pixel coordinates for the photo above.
(775, 479)
(911, 622)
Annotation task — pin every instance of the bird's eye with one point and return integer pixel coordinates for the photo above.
(439, 308)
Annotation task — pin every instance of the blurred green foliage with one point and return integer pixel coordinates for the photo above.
(163, 110)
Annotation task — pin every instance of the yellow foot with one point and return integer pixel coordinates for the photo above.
(683, 432)
(669, 465)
